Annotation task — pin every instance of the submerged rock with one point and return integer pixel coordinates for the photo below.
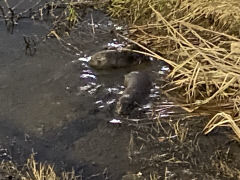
(115, 59)
(138, 85)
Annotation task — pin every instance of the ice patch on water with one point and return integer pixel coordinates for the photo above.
(165, 68)
(85, 65)
(147, 106)
(111, 101)
(82, 59)
(154, 95)
(85, 59)
(93, 90)
(85, 88)
(156, 87)
(94, 84)
(115, 45)
(120, 92)
(87, 71)
(112, 90)
(115, 121)
(100, 107)
(88, 76)
(119, 27)
(99, 102)
(161, 72)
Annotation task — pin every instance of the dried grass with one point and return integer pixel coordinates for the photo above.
(33, 170)
(44, 171)
(223, 14)
(195, 38)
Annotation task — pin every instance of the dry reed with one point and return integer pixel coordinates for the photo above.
(198, 39)
(33, 170)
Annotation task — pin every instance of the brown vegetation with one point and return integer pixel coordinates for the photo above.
(200, 40)
(33, 170)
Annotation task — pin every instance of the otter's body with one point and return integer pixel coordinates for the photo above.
(138, 85)
(114, 59)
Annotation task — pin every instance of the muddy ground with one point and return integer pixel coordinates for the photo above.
(54, 104)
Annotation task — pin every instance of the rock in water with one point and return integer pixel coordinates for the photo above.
(138, 85)
(115, 59)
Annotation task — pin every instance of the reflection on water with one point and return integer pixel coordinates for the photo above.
(111, 101)
(86, 76)
(84, 59)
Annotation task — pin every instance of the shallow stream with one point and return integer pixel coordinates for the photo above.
(55, 105)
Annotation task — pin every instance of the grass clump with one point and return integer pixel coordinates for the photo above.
(138, 12)
(200, 40)
(33, 170)
(220, 15)
(169, 149)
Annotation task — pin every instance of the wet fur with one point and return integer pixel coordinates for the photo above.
(138, 85)
(114, 59)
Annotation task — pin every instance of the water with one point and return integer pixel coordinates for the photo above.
(54, 104)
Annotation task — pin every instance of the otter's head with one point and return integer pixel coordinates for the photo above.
(98, 60)
(124, 105)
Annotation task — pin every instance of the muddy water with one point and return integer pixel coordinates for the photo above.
(54, 104)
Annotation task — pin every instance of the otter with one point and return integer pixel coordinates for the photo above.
(138, 85)
(115, 59)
